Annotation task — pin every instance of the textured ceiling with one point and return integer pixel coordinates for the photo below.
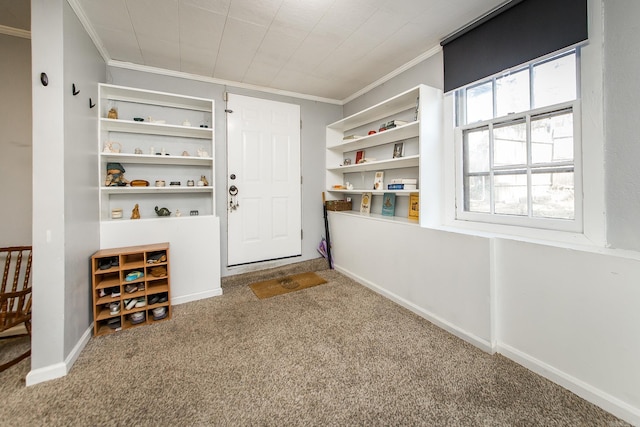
(323, 48)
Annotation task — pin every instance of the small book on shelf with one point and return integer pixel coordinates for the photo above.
(365, 204)
(378, 181)
(359, 157)
(401, 187)
(414, 206)
(389, 204)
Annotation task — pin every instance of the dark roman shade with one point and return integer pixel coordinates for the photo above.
(518, 32)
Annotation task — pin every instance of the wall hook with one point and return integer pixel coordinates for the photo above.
(91, 104)
(75, 92)
(44, 79)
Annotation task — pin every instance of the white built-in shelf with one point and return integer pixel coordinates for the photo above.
(157, 160)
(407, 131)
(398, 103)
(131, 126)
(157, 190)
(150, 97)
(397, 163)
(378, 217)
(375, 192)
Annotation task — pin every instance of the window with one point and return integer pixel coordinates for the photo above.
(519, 142)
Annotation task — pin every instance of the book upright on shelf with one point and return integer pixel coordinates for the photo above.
(414, 206)
(365, 204)
(389, 204)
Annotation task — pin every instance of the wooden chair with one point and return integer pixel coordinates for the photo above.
(15, 294)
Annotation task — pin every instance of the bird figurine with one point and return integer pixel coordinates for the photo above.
(162, 211)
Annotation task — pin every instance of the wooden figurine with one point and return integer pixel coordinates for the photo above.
(135, 213)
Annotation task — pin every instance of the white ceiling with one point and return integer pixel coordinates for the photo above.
(323, 48)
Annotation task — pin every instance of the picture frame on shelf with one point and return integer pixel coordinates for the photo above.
(398, 150)
(365, 203)
(359, 157)
(378, 181)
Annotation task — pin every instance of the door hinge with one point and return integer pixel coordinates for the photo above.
(300, 179)
(300, 123)
(301, 234)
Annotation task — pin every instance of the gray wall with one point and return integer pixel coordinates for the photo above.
(622, 149)
(429, 72)
(65, 215)
(15, 141)
(83, 66)
(315, 116)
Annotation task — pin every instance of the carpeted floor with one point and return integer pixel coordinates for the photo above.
(331, 355)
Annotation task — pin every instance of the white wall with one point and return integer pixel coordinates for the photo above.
(15, 141)
(65, 214)
(420, 269)
(573, 316)
(315, 116)
(622, 91)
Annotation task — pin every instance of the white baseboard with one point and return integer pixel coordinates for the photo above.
(438, 321)
(57, 370)
(586, 391)
(197, 296)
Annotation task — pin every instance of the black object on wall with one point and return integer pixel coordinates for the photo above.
(518, 32)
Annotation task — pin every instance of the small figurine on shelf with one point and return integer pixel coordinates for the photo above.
(204, 181)
(202, 153)
(112, 114)
(135, 213)
(115, 176)
(178, 213)
(162, 211)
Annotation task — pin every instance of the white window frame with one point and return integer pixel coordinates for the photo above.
(575, 225)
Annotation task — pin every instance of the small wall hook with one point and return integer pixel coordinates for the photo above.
(44, 79)
(75, 92)
(91, 104)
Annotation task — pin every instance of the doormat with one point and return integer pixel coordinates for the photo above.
(284, 285)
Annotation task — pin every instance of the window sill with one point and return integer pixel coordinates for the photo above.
(558, 239)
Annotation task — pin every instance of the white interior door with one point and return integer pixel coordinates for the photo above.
(263, 166)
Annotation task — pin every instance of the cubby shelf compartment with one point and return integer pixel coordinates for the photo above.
(130, 126)
(402, 162)
(129, 259)
(407, 131)
(148, 159)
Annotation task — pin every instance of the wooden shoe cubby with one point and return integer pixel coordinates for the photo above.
(107, 282)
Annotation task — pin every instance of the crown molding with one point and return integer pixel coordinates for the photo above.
(228, 83)
(15, 32)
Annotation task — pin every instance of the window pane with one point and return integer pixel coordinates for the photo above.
(512, 93)
(510, 145)
(552, 138)
(477, 150)
(480, 103)
(477, 197)
(552, 195)
(554, 81)
(510, 194)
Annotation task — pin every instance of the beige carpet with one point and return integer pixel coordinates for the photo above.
(333, 355)
(284, 285)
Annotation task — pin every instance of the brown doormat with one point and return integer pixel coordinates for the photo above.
(284, 285)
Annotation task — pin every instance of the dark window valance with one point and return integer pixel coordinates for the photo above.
(518, 32)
